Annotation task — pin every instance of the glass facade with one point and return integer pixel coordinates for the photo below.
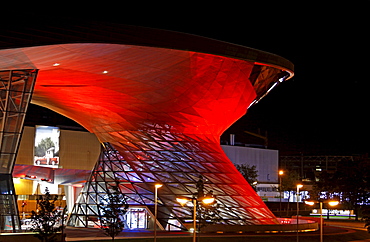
(159, 112)
(16, 88)
(177, 161)
(159, 101)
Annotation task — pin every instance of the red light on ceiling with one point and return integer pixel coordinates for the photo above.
(31, 176)
(47, 180)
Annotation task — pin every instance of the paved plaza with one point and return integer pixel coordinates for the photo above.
(334, 230)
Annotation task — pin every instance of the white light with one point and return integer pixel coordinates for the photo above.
(311, 203)
(272, 87)
(56, 64)
(105, 72)
(254, 102)
(208, 200)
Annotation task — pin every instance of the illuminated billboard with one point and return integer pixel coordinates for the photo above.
(46, 152)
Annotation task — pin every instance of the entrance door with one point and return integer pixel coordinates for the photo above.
(137, 218)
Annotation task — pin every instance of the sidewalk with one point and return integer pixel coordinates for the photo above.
(333, 231)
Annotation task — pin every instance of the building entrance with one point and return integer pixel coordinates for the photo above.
(137, 218)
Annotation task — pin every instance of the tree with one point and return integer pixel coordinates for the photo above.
(43, 146)
(250, 173)
(47, 221)
(206, 213)
(113, 209)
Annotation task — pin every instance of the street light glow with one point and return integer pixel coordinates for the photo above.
(182, 200)
(205, 200)
(158, 185)
(281, 172)
(311, 203)
(208, 200)
(333, 203)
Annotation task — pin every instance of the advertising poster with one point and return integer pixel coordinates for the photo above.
(46, 151)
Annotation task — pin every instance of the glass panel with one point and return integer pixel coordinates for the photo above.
(10, 142)
(13, 122)
(6, 162)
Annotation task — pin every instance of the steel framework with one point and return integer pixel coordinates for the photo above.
(177, 161)
(160, 98)
(16, 88)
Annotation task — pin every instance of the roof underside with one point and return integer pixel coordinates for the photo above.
(36, 32)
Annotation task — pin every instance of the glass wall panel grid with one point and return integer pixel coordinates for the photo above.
(16, 87)
(137, 179)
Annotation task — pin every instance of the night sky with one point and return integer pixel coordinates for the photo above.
(323, 109)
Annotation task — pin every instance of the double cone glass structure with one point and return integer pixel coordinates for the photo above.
(157, 100)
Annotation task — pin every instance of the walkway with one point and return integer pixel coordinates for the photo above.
(334, 230)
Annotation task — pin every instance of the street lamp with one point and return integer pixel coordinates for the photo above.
(331, 203)
(205, 200)
(298, 187)
(254, 185)
(281, 173)
(156, 186)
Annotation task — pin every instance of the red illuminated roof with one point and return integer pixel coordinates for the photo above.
(36, 32)
(161, 99)
(132, 68)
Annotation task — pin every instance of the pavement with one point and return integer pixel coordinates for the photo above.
(334, 230)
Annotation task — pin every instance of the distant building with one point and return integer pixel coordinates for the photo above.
(309, 167)
(266, 162)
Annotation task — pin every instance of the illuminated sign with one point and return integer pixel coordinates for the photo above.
(46, 151)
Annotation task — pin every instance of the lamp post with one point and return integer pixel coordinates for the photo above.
(331, 203)
(156, 186)
(205, 200)
(254, 185)
(298, 187)
(281, 172)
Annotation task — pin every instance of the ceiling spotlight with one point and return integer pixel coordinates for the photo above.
(105, 72)
(56, 64)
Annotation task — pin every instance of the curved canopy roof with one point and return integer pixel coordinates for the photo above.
(132, 67)
(135, 86)
(41, 31)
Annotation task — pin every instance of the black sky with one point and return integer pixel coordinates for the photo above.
(324, 108)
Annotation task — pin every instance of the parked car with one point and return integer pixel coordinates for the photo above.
(46, 161)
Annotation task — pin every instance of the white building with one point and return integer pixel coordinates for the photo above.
(266, 162)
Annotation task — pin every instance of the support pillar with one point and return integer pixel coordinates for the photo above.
(16, 87)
